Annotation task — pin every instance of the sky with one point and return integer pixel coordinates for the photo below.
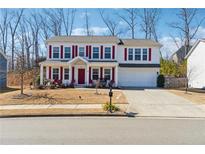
(164, 31)
(167, 16)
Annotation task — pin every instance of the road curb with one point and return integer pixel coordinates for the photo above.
(70, 114)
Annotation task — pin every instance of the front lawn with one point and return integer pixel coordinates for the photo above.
(194, 97)
(61, 96)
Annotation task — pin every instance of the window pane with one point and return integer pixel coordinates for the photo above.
(67, 52)
(55, 73)
(81, 51)
(137, 54)
(107, 74)
(95, 74)
(95, 52)
(66, 74)
(130, 54)
(144, 54)
(107, 53)
(55, 52)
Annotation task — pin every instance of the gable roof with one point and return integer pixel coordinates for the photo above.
(84, 39)
(104, 39)
(140, 42)
(194, 46)
(3, 54)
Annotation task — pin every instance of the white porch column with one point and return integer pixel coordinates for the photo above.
(41, 74)
(70, 73)
(116, 75)
(87, 74)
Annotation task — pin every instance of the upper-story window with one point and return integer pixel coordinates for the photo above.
(137, 54)
(130, 54)
(81, 51)
(95, 53)
(67, 52)
(107, 52)
(144, 56)
(55, 52)
(55, 73)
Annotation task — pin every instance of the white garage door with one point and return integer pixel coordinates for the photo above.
(137, 77)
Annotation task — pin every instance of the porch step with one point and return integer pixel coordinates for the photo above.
(79, 86)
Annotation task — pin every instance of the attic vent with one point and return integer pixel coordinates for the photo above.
(120, 42)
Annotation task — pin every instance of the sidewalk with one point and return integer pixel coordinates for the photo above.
(56, 110)
(49, 106)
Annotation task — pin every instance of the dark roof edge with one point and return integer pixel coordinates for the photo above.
(139, 65)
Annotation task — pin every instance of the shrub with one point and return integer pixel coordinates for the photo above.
(41, 87)
(107, 106)
(38, 80)
(160, 81)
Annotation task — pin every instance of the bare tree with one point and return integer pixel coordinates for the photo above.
(4, 29)
(68, 17)
(130, 18)
(111, 23)
(55, 20)
(13, 24)
(186, 27)
(149, 19)
(87, 24)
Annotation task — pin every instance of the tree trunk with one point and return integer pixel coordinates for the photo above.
(12, 52)
(22, 83)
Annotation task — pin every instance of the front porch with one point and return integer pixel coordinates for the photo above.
(79, 71)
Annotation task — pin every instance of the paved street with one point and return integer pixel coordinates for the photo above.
(157, 102)
(94, 130)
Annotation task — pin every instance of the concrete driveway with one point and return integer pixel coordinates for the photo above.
(157, 102)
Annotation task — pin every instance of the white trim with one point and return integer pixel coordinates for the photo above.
(64, 52)
(92, 72)
(193, 47)
(78, 57)
(58, 52)
(52, 72)
(98, 53)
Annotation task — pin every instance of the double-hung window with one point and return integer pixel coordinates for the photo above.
(95, 74)
(107, 52)
(144, 56)
(66, 74)
(137, 54)
(95, 53)
(67, 52)
(130, 54)
(81, 51)
(107, 74)
(56, 52)
(55, 73)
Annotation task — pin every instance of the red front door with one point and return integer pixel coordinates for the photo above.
(81, 76)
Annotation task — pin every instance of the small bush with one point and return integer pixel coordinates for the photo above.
(41, 87)
(160, 81)
(107, 106)
(38, 80)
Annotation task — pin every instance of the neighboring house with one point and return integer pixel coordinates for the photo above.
(196, 65)
(179, 55)
(3, 70)
(84, 59)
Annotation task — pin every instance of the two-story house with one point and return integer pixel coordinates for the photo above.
(84, 59)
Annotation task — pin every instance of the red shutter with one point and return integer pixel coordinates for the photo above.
(101, 52)
(90, 81)
(49, 72)
(61, 73)
(73, 51)
(113, 52)
(113, 74)
(90, 52)
(101, 73)
(125, 54)
(150, 54)
(50, 51)
(61, 51)
(73, 71)
(76, 51)
(86, 50)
